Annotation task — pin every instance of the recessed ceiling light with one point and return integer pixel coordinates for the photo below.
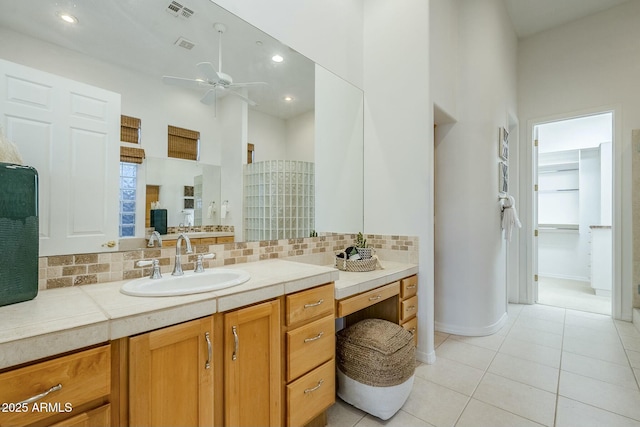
(288, 98)
(66, 17)
(277, 58)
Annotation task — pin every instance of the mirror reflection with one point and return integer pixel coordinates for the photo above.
(127, 47)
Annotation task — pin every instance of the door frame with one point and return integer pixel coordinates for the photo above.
(621, 295)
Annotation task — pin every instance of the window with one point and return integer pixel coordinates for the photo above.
(130, 129)
(183, 143)
(128, 185)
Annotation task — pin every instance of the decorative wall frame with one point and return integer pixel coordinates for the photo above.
(503, 144)
(503, 177)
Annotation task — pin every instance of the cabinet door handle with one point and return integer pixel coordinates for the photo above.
(40, 396)
(317, 337)
(234, 356)
(412, 330)
(311, 390)
(207, 337)
(315, 304)
(374, 298)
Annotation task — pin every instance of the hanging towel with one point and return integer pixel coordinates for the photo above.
(509, 217)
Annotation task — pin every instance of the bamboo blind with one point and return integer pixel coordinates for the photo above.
(130, 129)
(131, 154)
(183, 143)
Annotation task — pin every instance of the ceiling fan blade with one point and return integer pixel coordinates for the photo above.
(207, 70)
(209, 98)
(247, 84)
(244, 98)
(182, 82)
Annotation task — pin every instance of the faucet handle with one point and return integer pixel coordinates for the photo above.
(155, 264)
(199, 265)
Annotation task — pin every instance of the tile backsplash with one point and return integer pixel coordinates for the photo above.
(85, 269)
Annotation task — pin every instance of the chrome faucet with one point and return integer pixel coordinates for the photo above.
(155, 236)
(177, 268)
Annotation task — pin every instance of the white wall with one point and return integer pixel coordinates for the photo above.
(327, 31)
(398, 159)
(338, 153)
(587, 66)
(268, 134)
(300, 131)
(470, 251)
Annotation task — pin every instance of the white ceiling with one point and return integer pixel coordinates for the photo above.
(141, 35)
(533, 16)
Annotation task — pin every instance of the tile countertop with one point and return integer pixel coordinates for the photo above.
(351, 283)
(65, 319)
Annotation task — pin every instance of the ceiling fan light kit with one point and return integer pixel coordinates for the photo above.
(216, 82)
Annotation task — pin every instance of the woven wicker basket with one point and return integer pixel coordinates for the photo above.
(346, 264)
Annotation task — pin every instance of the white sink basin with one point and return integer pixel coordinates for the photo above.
(191, 283)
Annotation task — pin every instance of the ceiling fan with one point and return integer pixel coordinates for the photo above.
(217, 83)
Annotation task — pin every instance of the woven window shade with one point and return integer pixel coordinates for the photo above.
(130, 129)
(183, 143)
(131, 154)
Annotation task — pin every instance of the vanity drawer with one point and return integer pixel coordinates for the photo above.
(412, 326)
(311, 394)
(364, 300)
(409, 308)
(408, 287)
(310, 345)
(308, 304)
(84, 376)
(225, 239)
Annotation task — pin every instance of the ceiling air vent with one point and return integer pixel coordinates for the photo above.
(187, 44)
(177, 9)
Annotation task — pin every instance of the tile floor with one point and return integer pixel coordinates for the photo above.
(573, 294)
(548, 366)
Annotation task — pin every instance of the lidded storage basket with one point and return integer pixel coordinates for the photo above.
(376, 352)
(375, 366)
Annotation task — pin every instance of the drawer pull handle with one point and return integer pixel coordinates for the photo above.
(411, 286)
(234, 356)
(315, 304)
(411, 308)
(412, 330)
(41, 395)
(317, 337)
(207, 364)
(311, 390)
(374, 298)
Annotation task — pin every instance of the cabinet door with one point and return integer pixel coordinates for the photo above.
(99, 417)
(252, 366)
(171, 377)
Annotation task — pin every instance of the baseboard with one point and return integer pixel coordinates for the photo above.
(474, 331)
(428, 358)
(561, 276)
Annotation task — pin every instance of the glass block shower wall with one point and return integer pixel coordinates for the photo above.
(278, 199)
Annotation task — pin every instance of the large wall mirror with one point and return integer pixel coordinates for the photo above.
(297, 112)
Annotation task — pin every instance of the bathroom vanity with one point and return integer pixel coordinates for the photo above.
(259, 353)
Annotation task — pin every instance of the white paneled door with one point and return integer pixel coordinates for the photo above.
(70, 132)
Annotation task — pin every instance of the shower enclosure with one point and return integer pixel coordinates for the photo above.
(278, 199)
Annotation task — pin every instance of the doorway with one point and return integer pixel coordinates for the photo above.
(574, 174)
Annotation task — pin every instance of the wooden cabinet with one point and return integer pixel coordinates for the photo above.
(171, 375)
(171, 243)
(96, 417)
(310, 354)
(409, 305)
(58, 390)
(252, 366)
(396, 302)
